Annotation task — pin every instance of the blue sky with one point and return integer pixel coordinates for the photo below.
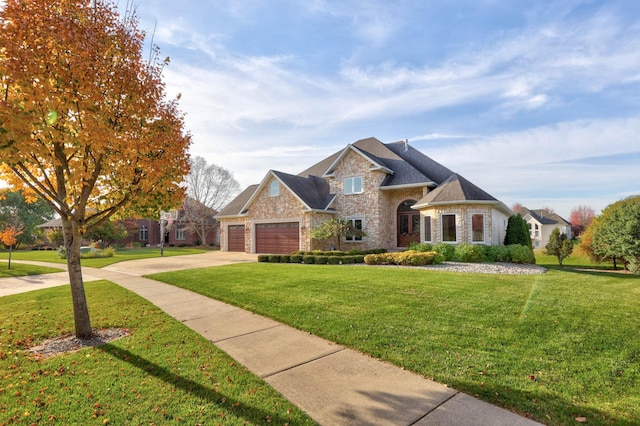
(536, 102)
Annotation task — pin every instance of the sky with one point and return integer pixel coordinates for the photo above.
(536, 102)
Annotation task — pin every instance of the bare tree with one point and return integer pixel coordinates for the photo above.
(209, 188)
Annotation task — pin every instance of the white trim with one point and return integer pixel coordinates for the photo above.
(352, 179)
(455, 216)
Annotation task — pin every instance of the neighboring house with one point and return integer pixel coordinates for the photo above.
(147, 232)
(396, 194)
(542, 223)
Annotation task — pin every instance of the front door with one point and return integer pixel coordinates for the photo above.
(408, 224)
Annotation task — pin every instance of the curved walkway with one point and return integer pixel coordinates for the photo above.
(333, 384)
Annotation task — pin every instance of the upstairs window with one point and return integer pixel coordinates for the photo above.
(353, 185)
(274, 188)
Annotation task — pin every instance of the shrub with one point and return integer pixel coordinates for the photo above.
(263, 258)
(446, 250)
(497, 253)
(321, 260)
(285, 258)
(295, 258)
(521, 254)
(517, 232)
(334, 260)
(406, 258)
(274, 258)
(421, 247)
(471, 253)
(308, 259)
(348, 260)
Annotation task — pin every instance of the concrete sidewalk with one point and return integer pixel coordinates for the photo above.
(333, 384)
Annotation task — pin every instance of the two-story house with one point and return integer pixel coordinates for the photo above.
(395, 193)
(541, 223)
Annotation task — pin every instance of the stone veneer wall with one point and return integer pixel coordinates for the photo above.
(377, 207)
(224, 223)
(284, 207)
(463, 214)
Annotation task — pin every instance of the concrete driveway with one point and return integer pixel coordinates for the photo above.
(138, 267)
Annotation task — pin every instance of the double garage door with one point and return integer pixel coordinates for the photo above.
(277, 238)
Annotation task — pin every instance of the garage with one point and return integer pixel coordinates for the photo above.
(235, 238)
(277, 238)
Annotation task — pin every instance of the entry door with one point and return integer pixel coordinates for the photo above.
(408, 224)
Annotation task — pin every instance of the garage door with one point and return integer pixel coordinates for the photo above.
(235, 238)
(277, 238)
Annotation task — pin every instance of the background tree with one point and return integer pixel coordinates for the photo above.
(16, 211)
(580, 218)
(559, 245)
(616, 232)
(9, 239)
(108, 232)
(516, 207)
(209, 188)
(336, 230)
(84, 123)
(517, 232)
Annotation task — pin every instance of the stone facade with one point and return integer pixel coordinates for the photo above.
(377, 196)
(495, 223)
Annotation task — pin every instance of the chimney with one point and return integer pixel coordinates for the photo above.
(406, 145)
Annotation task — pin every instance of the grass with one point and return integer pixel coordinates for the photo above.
(556, 346)
(120, 256)
(21, 270)
(575, 260)
(163, 373)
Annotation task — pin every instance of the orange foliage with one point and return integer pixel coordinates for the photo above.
(8, 236)
(84, 120)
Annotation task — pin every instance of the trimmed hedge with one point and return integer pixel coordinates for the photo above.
(405, 258)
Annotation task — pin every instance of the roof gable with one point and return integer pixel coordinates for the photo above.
(545, 218)
(458, 190)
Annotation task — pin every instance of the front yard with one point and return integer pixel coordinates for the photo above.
(121, 255)
(555, 347)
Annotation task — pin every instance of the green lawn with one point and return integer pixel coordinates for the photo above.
(163, 373)
(555, 346)
(120, 256)
(21, 269)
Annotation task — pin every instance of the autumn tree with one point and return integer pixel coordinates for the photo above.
(8, 237)
(84, 120)
(559, 245)
(16, 211)
(209, 187)
(580, 218)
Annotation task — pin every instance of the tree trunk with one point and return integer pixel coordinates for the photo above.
(10, 250)
(203, 234)
(72, 242)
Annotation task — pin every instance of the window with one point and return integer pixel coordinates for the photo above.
(477, 228)
(353, 185)
(144, 233)
(356, 224)
(274, 188)
(181, 234)
(449, 228)
(427, 229)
